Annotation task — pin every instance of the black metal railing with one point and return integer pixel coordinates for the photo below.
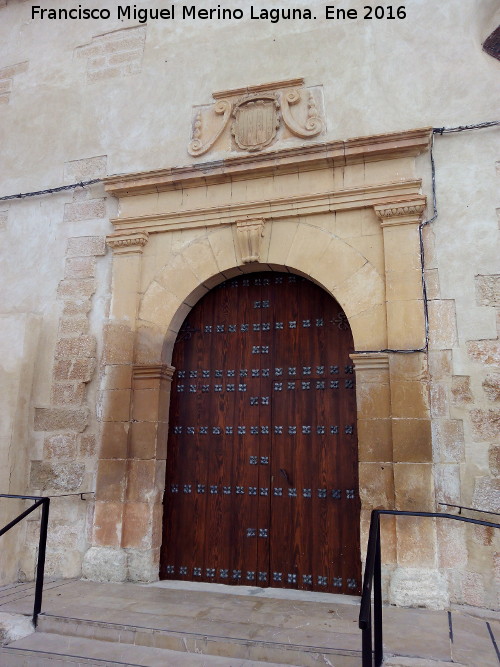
(372, 635)
(42, 543)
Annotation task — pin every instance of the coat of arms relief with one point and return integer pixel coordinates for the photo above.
(251, 119)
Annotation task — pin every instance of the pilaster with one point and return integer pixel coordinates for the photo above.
(400, 222)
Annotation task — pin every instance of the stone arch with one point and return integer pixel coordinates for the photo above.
(330, 262)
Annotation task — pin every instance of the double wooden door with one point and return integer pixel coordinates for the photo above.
(262, 483)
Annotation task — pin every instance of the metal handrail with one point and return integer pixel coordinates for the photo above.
(42, 542)
(373, 579)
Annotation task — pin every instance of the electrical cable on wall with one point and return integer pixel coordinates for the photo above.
(435, 130)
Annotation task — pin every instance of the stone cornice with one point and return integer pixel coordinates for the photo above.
(401, 212)
(126, 243)
(271, 209)
(303, 158)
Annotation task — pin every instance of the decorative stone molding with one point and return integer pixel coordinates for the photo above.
(257, 119)
(127, 243)
(153, 372)
(405, 212)
(313, 125)
(389, 146)
(370, 361)
(271, 209)
(249, 235)
(196, 146)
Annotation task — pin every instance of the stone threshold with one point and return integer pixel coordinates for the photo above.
(255, 591)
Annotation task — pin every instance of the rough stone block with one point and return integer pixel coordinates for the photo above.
(68, 393)
(460, 390)
(488, 290)
(104, 564)
(76, 289)
(80, 267)
(77, 347)
(484, 351)
(491, 386)
(485, 424)
(60, 446)
(85, 169)
(87, 210)
(73, 326)
(61, 419)
(83, 246)
(77, 369)
(4, 98)
(486, 494)
(76, 307)
(64, 476)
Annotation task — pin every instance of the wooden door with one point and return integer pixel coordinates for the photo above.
(261, 484)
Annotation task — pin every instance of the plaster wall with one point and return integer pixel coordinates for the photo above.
(66, 117)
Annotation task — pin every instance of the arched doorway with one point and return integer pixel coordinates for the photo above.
(262, 480)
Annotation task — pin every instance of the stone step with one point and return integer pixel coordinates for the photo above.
(232, 640)
(42, 649)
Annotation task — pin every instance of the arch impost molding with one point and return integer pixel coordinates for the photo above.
(403, 212)
(126, 243)
(153, 372)
(370, 361)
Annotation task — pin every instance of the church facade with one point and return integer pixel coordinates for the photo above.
(251, 293)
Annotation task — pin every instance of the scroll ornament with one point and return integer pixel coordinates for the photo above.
(196, 146)
(313, 124)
